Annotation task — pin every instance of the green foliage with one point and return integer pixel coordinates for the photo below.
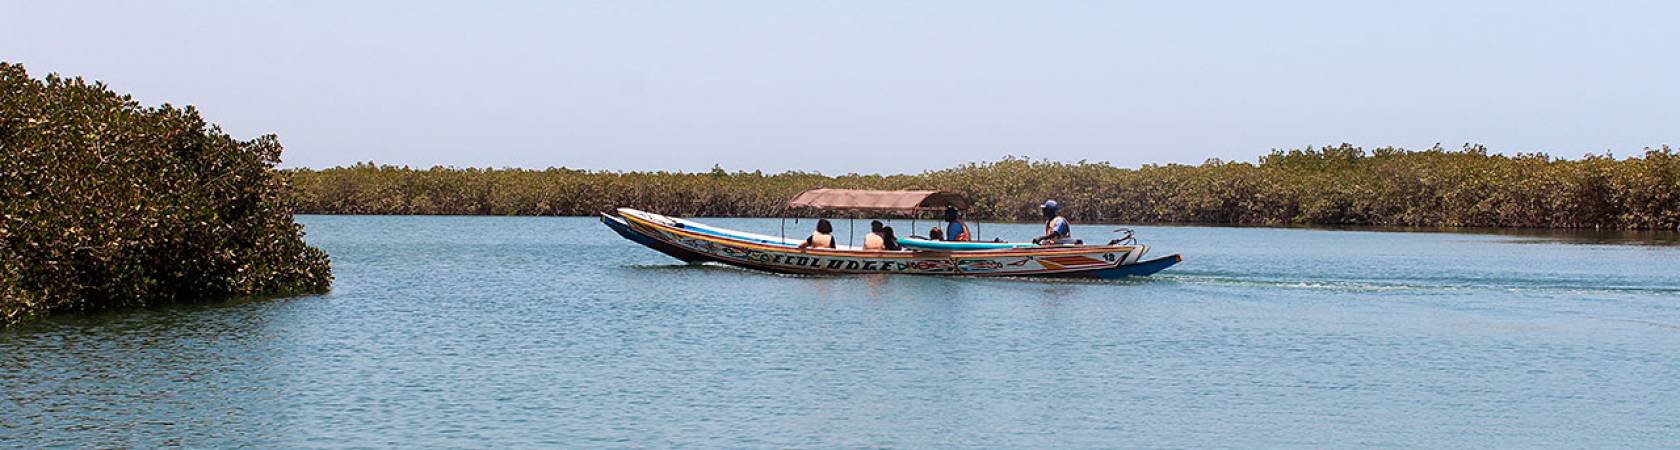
(107, 204)
(1332, 185)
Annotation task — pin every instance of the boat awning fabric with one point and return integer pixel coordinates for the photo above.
(861, 200)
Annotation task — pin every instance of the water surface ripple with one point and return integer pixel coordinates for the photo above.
(529, 332)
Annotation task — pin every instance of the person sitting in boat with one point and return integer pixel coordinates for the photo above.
(822, 238)
(935, 234)
(889, 240)
(1056, 229)
(874, 240)
(955, 229)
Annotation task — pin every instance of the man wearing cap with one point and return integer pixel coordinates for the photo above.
(1056, 230)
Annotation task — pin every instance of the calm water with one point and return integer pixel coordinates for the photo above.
(522, 332)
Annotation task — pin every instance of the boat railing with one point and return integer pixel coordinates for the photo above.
(1127, 237)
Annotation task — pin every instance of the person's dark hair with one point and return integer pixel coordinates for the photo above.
(891, 240)
(950, 214)
(936, 234)
(875, 226)
(824, 227)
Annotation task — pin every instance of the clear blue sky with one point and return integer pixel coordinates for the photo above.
(875, 86)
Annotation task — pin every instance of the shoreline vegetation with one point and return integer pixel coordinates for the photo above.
(1336, 185)
(106, 204)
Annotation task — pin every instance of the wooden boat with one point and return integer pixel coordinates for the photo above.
(696, 242)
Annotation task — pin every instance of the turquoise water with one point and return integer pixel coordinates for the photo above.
(534, 332)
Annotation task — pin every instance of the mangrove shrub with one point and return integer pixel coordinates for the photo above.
(1336, 185)
(107, 204)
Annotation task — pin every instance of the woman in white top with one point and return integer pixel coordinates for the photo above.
(822, 238)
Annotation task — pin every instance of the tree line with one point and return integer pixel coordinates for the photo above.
(107, 204)
(1333, 185)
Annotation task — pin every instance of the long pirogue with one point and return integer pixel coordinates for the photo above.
(695, 242)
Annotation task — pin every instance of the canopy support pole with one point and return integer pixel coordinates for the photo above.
(782, 213)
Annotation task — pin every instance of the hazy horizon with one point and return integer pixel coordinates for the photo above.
(874, 87)
(1617, 154)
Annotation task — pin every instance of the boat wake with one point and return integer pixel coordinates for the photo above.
(1430, 286)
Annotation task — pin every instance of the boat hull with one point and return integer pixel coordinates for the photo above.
(689, 244)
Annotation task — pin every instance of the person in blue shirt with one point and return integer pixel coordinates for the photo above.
(955, 229)
(1056, 229)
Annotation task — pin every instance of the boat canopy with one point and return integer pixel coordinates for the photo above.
(862, 200)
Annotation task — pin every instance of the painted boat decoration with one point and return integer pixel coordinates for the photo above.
(916, 243)
(695, 242)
